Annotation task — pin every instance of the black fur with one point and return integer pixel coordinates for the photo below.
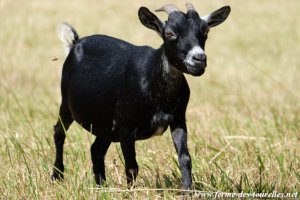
(124, 93)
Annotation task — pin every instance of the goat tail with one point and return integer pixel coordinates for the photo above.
(68, 35)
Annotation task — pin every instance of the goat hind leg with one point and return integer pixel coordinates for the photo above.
(98, 151)
(62, 125)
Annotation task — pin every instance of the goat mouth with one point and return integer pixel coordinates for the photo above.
(196, 70)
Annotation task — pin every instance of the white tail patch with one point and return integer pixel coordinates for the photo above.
(68, 36)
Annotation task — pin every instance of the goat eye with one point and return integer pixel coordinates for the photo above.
(171, 35)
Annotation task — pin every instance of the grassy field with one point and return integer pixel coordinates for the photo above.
(243, 116)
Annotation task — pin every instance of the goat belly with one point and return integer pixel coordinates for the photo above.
(143, 134)
(159, 124)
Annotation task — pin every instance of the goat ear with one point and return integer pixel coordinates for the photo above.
(150, 20)
(217, 17)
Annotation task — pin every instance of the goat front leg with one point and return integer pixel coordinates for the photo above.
(179, 136)
(131, 166)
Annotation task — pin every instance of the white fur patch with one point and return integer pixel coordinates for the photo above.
(114, 125)
(196, 50)
(206, 17)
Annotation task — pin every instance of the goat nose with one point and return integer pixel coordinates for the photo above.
(199, 57)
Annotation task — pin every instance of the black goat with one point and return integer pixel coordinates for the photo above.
(123, 93)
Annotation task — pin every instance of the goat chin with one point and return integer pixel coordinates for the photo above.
(195, 72)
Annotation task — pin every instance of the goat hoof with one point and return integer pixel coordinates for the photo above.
(187, 190)
(99, 180)
(57, 176)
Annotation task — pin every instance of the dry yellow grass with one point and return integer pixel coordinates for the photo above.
(243, 116)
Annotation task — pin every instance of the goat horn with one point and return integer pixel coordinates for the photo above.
(168, 8)
(189, 6)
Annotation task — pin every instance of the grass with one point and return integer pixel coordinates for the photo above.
(243, 116)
